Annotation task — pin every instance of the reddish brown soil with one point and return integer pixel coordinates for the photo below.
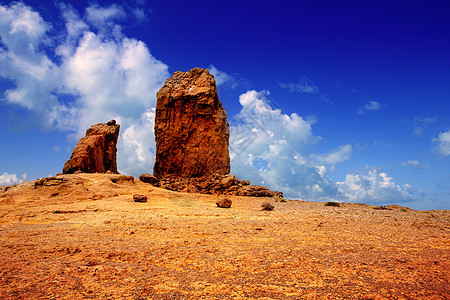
(86, 238)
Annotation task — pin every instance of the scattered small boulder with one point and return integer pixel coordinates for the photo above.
(139, 198)
(382, 207)
(330, 203)
(267, 206)
(224, 203)
(228, 181)
(50, 181)
(147, 178)
(122, 178)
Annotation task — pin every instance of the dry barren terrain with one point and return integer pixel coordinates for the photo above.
(82, 236)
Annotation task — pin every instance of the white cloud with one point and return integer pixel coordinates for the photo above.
(136, 146)
(10, 179)
(104, 18)
(271, 148)
(21, 25)
(113, 79)
(100, 75)
(371, 106)
(222, 78)
(374, 186)
(443, 143)
(74, 25)
(415, 164)
(139, 14)
(305, 85)
(35, 76)
(335, 157)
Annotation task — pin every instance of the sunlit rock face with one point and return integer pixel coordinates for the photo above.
(97, 151)
(191, 129)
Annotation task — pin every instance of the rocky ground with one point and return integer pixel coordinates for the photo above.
(82, 236)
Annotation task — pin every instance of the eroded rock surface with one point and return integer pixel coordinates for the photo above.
(224, 203)
(147, 178)
(140, 198)
(216, 185)
(96, 152)
(191, 129)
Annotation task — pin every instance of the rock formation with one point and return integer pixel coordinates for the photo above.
(216, 185)
(96, 152)
(191, 129)
(192, 135)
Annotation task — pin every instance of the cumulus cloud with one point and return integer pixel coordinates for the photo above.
(443, 143)
(305, 85)
(99, 75)
(22, 60)
(271, 148)
(10, 179)
(136, 145)
(374, 186)
(371, 106)
(104, 18)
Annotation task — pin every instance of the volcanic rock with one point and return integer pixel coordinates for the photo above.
(122, 178)
(224, 203)
(267, 206)
(139, 198)
(217, 185)
(191, 129)
(96, 152)
(50, 181)
(147, 178)
(227, 181)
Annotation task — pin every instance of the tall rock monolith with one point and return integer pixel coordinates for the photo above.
(191, 129)
(96, 152)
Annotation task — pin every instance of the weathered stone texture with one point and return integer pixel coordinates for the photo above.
(96, 152)
(216, 185)
(224, 203)
(191, 129)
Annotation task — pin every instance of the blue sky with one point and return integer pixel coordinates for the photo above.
(327, 100)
